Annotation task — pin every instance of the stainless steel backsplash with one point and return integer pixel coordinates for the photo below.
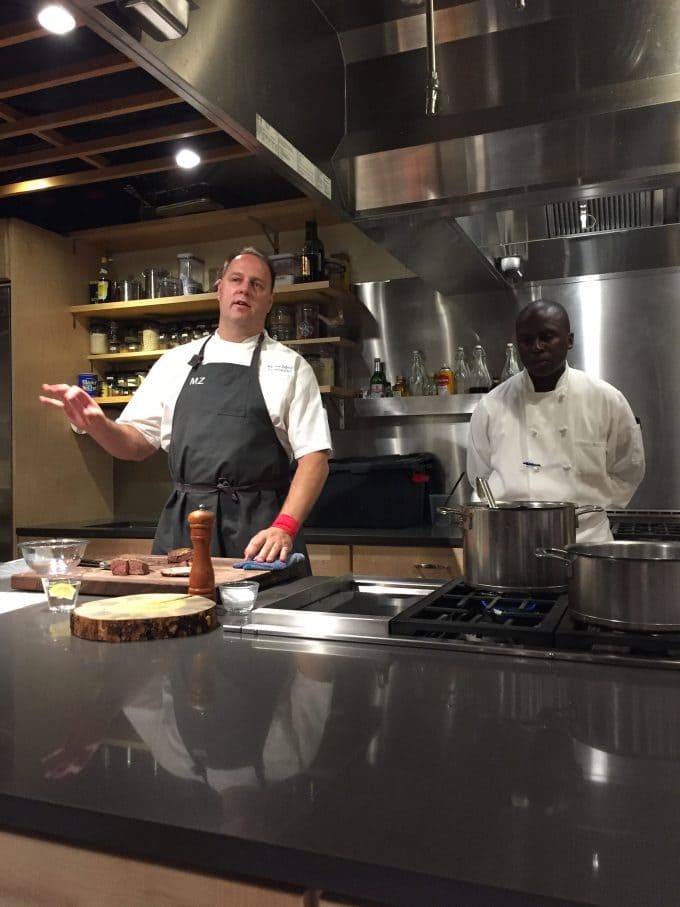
(627, 331)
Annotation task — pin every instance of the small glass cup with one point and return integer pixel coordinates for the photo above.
(238, 597)
(62, 592)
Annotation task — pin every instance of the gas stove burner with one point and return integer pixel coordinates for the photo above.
(457, 611)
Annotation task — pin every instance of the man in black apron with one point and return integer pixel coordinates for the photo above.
(224, 451)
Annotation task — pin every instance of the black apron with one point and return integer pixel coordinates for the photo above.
(224, 455)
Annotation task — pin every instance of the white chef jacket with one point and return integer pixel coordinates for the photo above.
(578, 443)
(289, 387)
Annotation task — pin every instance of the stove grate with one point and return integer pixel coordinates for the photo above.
(457, 611)
(585, 637)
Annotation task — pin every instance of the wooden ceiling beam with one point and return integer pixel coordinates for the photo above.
(20, 32)
(88, 113)
(66, 75)
(51, 136)
(117, 171)
(109, 143)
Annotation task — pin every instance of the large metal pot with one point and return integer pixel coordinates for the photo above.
(499, 544)
(625, 585)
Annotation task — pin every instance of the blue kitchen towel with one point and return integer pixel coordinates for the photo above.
(294, 558)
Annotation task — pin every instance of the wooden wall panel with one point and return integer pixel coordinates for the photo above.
(57, 475)
(36, 873)
(407, 562)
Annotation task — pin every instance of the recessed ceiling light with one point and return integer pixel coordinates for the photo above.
(187, 158)
(56, 19)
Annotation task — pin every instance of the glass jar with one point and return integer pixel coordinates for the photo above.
(109, 386)
(281, 322)
(132, 381)
(173, 336)
(114, 342)
(185, 334)
(150, 336)
(121, 384)
(326, 375)
(200, 329)
(132, 342)
(99, 340)
(307, 321)
(163, 338)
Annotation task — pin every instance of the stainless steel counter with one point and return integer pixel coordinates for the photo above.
(406, 776)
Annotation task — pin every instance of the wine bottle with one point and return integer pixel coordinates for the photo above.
(377, 386)
(312, 258)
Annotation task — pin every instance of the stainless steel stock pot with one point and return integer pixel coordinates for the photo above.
(499, 544)
(625, 585)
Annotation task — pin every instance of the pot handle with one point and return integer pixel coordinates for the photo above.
(452, 511)
(559, 554)
(587, 508)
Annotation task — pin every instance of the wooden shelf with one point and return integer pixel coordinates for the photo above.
(326, 389)
(113, 401)
(126, 357)
(202, 303)
(143, 355)
(340, 342)
(229, 223)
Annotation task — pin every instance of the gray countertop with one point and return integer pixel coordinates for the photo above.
(407, 776)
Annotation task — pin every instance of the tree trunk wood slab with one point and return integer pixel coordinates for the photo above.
(132, 618)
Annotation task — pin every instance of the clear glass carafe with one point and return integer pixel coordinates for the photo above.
(418, 380)
(511, 366)
(480, 379)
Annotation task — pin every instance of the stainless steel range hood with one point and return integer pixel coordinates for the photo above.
(556, 136)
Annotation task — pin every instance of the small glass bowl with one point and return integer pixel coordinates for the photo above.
(50, 557)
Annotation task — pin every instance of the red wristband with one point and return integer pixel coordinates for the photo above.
(288, 523)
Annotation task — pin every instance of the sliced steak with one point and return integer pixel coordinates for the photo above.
(120, 567)
(138, 567)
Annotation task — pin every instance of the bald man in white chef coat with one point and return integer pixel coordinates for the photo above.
(554, 433)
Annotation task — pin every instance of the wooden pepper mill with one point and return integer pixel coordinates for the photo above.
(202, 576)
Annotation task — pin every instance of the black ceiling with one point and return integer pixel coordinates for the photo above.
(117, 130)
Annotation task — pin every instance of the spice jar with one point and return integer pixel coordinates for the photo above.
(307, 323)
(150, 336)
(121, 384)
(99, 341)
(185, 334)
(109, 386)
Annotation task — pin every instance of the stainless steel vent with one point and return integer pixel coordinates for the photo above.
(576, 217)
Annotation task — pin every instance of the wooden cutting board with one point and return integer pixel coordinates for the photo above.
(132, 618)
(98, 581)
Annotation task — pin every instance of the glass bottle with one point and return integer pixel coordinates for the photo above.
(377, 382)
(387, 387)
(461, 372)
(103, 281)
(480, 379)
(445, 381)
(511, 366)
(312, 258)
(418, 381)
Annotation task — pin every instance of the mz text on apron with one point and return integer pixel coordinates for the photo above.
(224, 455)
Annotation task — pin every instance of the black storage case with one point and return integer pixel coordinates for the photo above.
(388, 492)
